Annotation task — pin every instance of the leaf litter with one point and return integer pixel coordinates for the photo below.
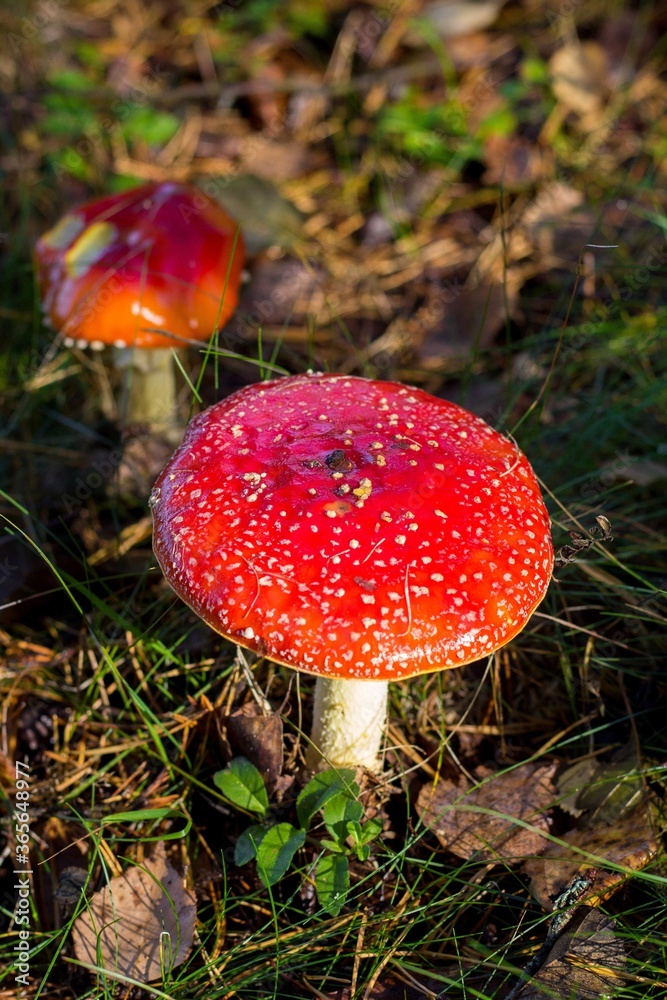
(141, 924)
(404, 299)
(502, 817)
(629, 843)
(584, 963)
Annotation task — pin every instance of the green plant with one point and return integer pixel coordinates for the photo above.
(332, 793)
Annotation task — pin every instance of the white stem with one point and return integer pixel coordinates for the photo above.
(348, 723)
(151, 390)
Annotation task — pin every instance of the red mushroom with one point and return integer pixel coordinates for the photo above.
(145, 271)
(361, 531)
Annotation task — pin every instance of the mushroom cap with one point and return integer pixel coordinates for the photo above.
(352, 528)
(151, 267)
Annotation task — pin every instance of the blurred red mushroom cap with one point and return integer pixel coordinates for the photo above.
(151, 267)
(353, 528)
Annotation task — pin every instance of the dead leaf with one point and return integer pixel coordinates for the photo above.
(453, 18)
(572, 781)
(578, 77)
(467, 819)
(267, 219)
(144, 457)
(629, 843)
(259, 738)
(281, 291)
(468, 319)
(557, 223)
(583, 963)
(141, 924)
(72, 882)
(275, 160)
(643, 473)
(604, 789)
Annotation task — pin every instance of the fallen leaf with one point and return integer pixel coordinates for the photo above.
(141, 924)
(583, 963)
(468, 819)
(558, 222)
(259, 738)
(267, 219)
(452, 18)
(468, 319)
(281, 291)
(572, 781)
(643, 473)
(604, 789)
(578, 76)
(72, 882)
(144, 456)
(629, 842)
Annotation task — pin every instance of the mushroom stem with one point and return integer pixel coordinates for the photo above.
(150, 390)
(348, 723)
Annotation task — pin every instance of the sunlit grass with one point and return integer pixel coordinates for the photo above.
(118, 695)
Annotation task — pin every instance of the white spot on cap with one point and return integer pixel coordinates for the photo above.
(138, 310)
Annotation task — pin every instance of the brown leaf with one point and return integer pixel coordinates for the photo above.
(603, 789)
(629, 843)
(557, 222)
(468, 319)
(267, 219)
(572, 781)
(259, 738)
(578, 74)
(467, 819)
(452, 18)
(141, 924)
(583, 963)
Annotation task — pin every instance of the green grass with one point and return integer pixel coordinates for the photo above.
(116, 694)
(132, 676)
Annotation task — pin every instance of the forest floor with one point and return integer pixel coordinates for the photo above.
(469, 198)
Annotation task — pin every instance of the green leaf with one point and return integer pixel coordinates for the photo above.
(69, 79)
(152, 127)
(242, 784)
(501, 122)
(333, 845)
(69, 114)
(321, 788)
(276, 850)
(362, 835)
(69, 161)
(247, 844)
(339, 811)
(332, 882)
(534, 70)
(369, 831)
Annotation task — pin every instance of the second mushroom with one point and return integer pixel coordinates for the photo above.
(361, 531)
(144, 272)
